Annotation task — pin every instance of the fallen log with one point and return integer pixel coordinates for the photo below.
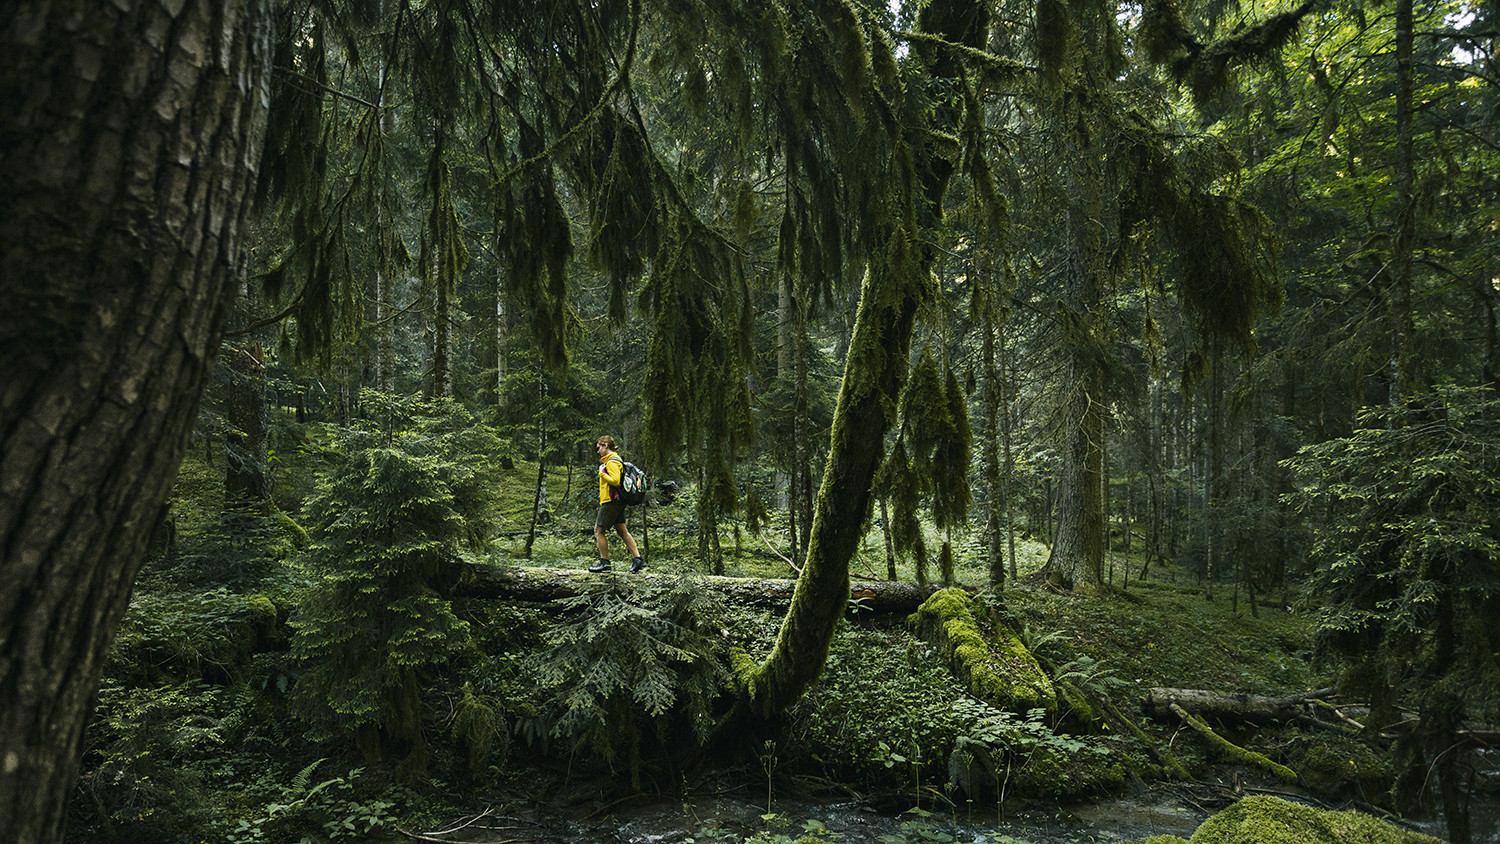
(1233, 752)
(1242, 707)
(518, 583)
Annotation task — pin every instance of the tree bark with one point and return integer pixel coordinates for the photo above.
(1402, 327)
(131, 133)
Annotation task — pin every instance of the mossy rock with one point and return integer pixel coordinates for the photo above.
(1270, 820)
(1340, 765)
(1000, 671)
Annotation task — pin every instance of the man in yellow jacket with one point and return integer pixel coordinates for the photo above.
(611, 508)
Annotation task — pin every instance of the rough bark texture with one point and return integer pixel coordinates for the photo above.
(128, 146)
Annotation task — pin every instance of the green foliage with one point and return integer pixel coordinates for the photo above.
(628, 659)
(1406, 542)
(886, 708)
(303, 812)
(388, 526)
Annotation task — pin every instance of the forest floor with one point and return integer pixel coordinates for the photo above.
(201, 734)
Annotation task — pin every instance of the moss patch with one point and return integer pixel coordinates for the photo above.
(999, 670)
(1270, 820)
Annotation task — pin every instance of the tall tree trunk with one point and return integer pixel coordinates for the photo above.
(502, 362)
(539, 500)
(1402, 327)
(1008, 478)
(1077, 560)
(442, 358)
(385, 333)
(991, 466)
(890, 547)
(247, 487)
(131, 134)
(802, 470)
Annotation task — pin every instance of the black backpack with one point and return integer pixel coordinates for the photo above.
(632, 484)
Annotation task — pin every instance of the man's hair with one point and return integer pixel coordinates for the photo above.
(608, 442)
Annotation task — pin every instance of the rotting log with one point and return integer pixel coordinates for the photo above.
(517, 583)
(1242, 707)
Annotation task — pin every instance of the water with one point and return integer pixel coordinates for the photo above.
(724, 819)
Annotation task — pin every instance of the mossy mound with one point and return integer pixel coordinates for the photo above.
(1271, 820)
(999, 670)
(1342, 766)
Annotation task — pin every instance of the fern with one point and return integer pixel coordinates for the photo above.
(627, 660)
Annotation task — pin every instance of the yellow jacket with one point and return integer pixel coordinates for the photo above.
(611, 468)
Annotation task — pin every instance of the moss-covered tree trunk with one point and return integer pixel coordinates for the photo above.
(131, 134)
(873, 376)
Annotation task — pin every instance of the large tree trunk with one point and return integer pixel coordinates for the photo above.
(1077, 560)
(130, 136)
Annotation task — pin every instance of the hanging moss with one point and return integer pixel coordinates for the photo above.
(1000, 671)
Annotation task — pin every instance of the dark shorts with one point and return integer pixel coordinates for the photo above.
(611, 513)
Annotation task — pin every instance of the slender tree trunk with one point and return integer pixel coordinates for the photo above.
(890, 547)
(991, 466)
(1008, 477)
(131, 134)
(1401, 247)
(247, 487)
(502, 362)
(442, 365)
(385, 328)
(802, 471)
(539, 500)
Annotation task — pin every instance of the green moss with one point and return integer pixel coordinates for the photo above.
(1001, 670)
(1234, 753)
(1338, 764)
(1270, 820)
(1160, 839)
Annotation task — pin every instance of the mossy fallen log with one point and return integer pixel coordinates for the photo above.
(1000, 670)
(1242, 707)
(1233, 752)
(519, 583)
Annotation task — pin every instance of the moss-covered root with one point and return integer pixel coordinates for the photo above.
(1006, 675)
(1269, 820)
(1233, 752)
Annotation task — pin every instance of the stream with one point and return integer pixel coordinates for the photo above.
(1139, 812)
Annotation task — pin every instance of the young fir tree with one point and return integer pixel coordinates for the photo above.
(388, 526)
(1406, 540)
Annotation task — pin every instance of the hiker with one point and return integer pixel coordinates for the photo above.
(611, 508)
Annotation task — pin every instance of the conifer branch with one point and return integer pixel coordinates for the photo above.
(322, 87)
(621, 80)
(981, 57)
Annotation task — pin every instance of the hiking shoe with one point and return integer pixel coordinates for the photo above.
(599, 567)
(637, 564)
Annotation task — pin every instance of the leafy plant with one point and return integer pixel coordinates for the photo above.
(306, 813)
